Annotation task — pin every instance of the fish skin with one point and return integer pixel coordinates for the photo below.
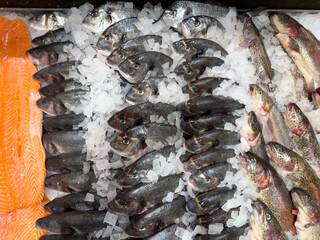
(135, 68)
(304, 140)
(166, 234)
(49, 37)
(63, 141)
(74, 222)
(117, 34)
(134, 173)
(62, 122)
(271, 189)
(131, 47)
(228, 233)
(141, 197)
(132, 143)
(48, 21)
(71, 182)
(273, 124)
(156, 219)
(203, 85)
(296, 169)
(68, 162)
(194, 68)
(54, 88)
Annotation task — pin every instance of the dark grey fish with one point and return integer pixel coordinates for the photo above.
(63, 141)
(203, 85)
(68, 162)
(54, 88)
(62, 122)
(48, 20)
(166, 234)
(63, 237)
(72, 223)
(227, 233)
(136, 67)
(71, 182)
(49, 37)
(194, 68)
(49, 54)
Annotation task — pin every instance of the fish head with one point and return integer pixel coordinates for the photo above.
(282, 23)
(192, 26)
(45, 21)
(48, 78)
(140, 92)
(48, 223)
(134, 69)
(53, 208)
(252, 165)
(39, 41)
(197, 144)
(127, 146)
(97, 20)
(185, 47)
(51, 105)
(37, 56)
(175, 13)
(191, 164)
(190, 127)
(198, 205)
(123, 120)
(281, 157)
(187, 71)
(125, 205)
(260, 99)
(46, 92)
(252, 130)
(107, 42)
(56, 182)
(191, 87)
(200, 181)
(295, 119)
(128, 177)
(116, 57)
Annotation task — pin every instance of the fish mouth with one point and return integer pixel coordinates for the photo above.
(35, 61)
(297, 197)
(252, 89)
(193, 184)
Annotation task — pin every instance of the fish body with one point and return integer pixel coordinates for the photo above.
(49, 37)
(203, 85)
(166, 234)
(48, 21)
(68, 162)
(62, 122)
(54, 88)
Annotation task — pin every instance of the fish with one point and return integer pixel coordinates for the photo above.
(201, 124)
(197, 26)
(216, 138)
(49, 54)
(49, 37)
(65, 237)
(166, 234)
(117, 34)
(271, 189)
(206, 202)
(143, 90)
(259, 56)
(228, 233)
(295, 168)
(208, 178)
(268, 113)
(134, 173)
(22, 169)
(73, 222)
(54, 88)
(197, 46)
(139, 198)
(48, 21)
(132, 143)
(208, 104)
(58, 142)
(101, 17)
(62, 122)
(304, 140)
(70, 182)
(68, 162)
(55, 73)
(180, 10)
(131, 47)
(263, 223)
(253, 136)
(156, 219)
(308, 214)
(135, 115)
(63, 102)
(73, 201)
(208, 158)
(136, 67)
(194, 68)
(203, 85)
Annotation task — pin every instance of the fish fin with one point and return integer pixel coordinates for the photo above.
(293, 45)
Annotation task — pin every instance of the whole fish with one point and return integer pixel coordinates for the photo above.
(203, 85)
(136, 67)
(180, 10)
(63, 141)
(296, 169)
(54, 88)
(49, 54)
(273, 124)
(117, 34)
(141, 91)
(49, 37)
(71, 182)
(55, 73)
(48, 21)
(141, 197)
(208, 104)
(208, 178)
(270, 188)
(63, 102)
(216, 138)
(228, 233)
(62, 122)
(304, 140)
(166, 234)
(132, 143)
(197, 26)
(134, 173)
(205, 202)
(131, 47)
(140, 113)
(68, 162)
(107, 14)
(263, 223)
(308, 214)
(196, 46)
(204, 123)
(156, 219)
(205, 159)
(74, 222)
(253, 136)
(196, 67)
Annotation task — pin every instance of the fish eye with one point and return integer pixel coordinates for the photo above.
(279, 149)
(268, 217)
(196, 23)
(94, 14)
(125, 140)
(136, 66)
(38, 54)
(107, 37)
(140, 91)
(207, 180)
(124, 205)
(307, 225)
(173, 12)
(308, 197)
(253, 161)
(45, 104)
(135, 175)
(260, 92)
(141, 228)
(121, 56)
(122, 120)
(187, 48)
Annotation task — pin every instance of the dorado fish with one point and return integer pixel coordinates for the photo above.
(48, 21)
(54, 88)
(68, 162)
(203, 85)
(49, 37)
(62, 122)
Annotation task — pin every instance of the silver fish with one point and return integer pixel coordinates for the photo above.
(48, 21)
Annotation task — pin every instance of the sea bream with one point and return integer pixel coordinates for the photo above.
(54, 88)
(49, 37)
(63, 122)
(68, 162)
(48, 21)
(202, 86)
